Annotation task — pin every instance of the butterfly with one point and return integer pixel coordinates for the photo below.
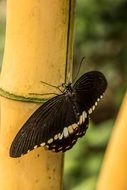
(58, 123)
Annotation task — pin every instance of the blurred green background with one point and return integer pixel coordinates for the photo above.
(100, 36)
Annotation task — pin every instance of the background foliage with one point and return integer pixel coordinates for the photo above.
(100, 36)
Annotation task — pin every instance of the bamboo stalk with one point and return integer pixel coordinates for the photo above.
(39, 39)
(114, 169)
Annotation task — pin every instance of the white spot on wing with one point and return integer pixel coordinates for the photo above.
(67, 147)
(93, 108)
(56, 137)
(80, 120)
(60, 148)
(50, 141)
(65, 132)
(70, 129)
(42, 144)
(35, 146)
(73, 141)
(74, 126)
(84, 116)
(90, 111)
(61, 136)
(46, 147)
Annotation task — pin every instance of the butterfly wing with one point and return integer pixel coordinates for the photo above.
(52, 124)
(69, 142)
(59, 122)
(89, 89)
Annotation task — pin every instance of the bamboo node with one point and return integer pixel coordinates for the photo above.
(15, 97)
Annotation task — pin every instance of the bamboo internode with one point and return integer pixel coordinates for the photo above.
(38, 48)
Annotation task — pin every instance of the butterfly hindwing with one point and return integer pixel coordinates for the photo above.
(67, 143)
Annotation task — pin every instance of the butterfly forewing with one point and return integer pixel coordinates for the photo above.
(89, 88)
(45, 125)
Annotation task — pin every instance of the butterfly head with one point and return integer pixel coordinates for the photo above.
(68, 87)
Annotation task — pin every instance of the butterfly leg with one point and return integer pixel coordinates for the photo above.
(57, 87)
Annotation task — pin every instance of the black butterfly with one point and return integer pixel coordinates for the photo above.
(58, 123)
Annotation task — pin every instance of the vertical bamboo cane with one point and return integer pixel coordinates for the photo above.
(39, 39)
(113, 175)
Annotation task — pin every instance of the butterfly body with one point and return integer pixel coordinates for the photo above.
(58, 123)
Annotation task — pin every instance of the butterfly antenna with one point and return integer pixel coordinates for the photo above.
(57, 87)
(79, 69)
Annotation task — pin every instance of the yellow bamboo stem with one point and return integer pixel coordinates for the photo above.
(113, 175)
(38, 40)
